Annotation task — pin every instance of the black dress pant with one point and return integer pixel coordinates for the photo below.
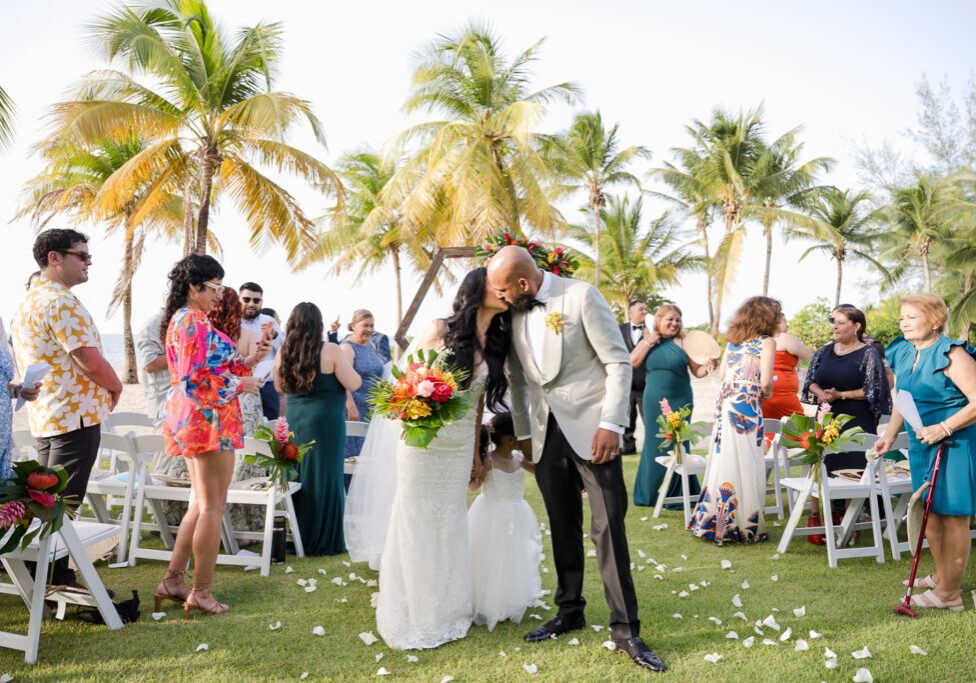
(75, 451)
(629, 444)
(562, 476)
(270, 402)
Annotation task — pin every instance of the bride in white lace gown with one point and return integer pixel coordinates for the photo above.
(425, 583)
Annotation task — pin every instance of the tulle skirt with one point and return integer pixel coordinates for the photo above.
(505, 549)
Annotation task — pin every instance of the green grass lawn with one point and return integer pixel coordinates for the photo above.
(851, 607)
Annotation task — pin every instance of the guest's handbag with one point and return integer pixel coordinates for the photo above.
(916, 510)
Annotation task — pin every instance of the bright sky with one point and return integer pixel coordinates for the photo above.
(844, 70)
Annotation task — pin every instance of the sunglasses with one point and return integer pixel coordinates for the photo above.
(215, 287)
(251, 299)
(837, 320)
(85, 256)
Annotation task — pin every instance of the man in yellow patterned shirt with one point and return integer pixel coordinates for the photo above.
(52, 325)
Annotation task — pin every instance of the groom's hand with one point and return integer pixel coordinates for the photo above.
(606, 445)
(525, 448)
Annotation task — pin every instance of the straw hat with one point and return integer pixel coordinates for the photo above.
(700, 347)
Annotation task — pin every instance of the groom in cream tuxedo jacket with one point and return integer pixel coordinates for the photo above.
(570, 379)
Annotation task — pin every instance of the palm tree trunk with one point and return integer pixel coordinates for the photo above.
(840, 275)
(769, 258)
(928, 273)
(188, 228)
(730, 220)
(395, 255)
(208, 165)
(596, 245)
(129, 372)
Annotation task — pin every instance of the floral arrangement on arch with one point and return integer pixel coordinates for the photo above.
(286, 455)
(675, 429)
(825, 435)
(424, 397)
(558, 261)
(32, 492)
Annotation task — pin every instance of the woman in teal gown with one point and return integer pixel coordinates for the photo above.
(316, 376)
(940, 374)
(667, 378)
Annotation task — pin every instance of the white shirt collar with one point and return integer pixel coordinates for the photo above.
(543, 293)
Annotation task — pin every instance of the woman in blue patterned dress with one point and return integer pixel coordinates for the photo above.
(730, 507)
(6, 411)
(365, 358)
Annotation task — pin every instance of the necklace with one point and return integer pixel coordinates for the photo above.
(845, 351)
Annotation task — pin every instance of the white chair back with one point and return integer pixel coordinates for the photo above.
(117, 420)
(356, 428)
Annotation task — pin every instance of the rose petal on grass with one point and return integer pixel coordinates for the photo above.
(372, 583)
(318, 631)
(715, 620)
(683, 556)
(759, 631)
(346, 563)
(535, 616)
(303, 582)
(6, 678)
(413, 659)
(786, 635)
(692, 586)
(775, 556)
(745, 584)
(591, 553)
(643, 519)
(676, 615)
(814, 635)
(829, 654)
(916, 650)
(726, 564)
(609, 644)
(736, 600)
(862, 654)
(530, 668)
(288, 570)
(158, 615)
(304, 675)
(341, 600)
(574, 641)
(202, 647)
(800, 611)
(275, 626)
(863, 676)
(368, 637)
(683, 594)
(770, 621)
(659, 577)
(310, 589)
(770, 641)
(447, 679)
(322, 571)
(379, 657)
(740, 615)
(831, 663)
(501, 653)
(641, 554)
(640, 568)
(676, 569)
(337, 580)
(749, 641)
(714, 658)
(382, 672)
(595, 627)
(774, 577)
(802, 646)
(731, 635)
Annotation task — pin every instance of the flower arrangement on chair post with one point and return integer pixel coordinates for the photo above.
(557, 261)
(32, 492)
(825, 435)
(675, 429)
(424, 397)
(286, 455)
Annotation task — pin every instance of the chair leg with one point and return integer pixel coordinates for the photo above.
(269, 514)
(795, 511)
(829, 529)
(665, 485)
(876, 528)
(296, 534)
(37, 600)
(685, 496)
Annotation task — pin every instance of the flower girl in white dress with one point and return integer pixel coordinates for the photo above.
(505, 547)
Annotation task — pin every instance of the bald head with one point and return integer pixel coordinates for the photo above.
(514, 276)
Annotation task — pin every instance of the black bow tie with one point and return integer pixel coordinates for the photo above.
(638, 327)
(536, 302)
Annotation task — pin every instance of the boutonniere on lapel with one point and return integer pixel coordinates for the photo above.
(555, 322)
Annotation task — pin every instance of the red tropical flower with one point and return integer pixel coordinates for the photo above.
(441, 393)
(45, 499)
(42, 480)
(289, 451)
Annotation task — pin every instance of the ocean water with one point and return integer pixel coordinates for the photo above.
(114, 349)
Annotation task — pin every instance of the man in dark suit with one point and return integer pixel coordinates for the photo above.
(632, 331)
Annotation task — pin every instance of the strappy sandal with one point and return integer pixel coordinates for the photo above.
(190, 604)
(924, 582)
(163, 592)
(929, 600)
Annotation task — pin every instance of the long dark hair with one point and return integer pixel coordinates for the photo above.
(462, 338)
(302, 348)
(194, 269)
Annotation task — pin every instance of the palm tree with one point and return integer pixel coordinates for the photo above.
(368, 233)
(208, 117)
(72, 183)
(639, 260)
(477, 169)
(588, 157)
(778, 180)
(844, 229)
(920, 216)
(7, 110)
(694, 197)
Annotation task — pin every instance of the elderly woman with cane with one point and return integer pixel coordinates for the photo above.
(940, 374)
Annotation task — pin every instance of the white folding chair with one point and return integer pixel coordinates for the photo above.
(354, 429)
(72, 539)
(269, 496)
(771, 461)
(799, 489)
(106, 490)
(690, 465)
(25, 445)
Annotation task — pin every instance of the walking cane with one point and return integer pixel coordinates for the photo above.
(905, 607)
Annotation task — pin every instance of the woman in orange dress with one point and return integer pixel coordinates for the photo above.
(202, 423)
(786, 386)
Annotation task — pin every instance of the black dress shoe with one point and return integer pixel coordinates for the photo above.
(554, 627)
(636, 649)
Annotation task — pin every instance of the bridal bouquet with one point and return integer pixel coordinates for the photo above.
(282, 465)
(424, 397)
(825, 435)
(675, 429)
(33, 491)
